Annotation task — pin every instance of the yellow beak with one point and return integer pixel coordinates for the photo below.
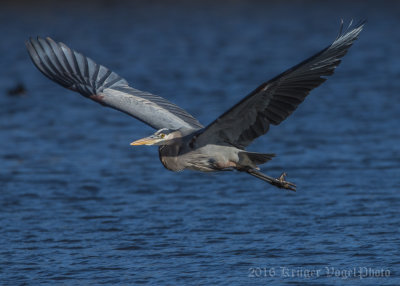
(144, 141)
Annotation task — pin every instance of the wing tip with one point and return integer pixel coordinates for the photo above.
(351, 32)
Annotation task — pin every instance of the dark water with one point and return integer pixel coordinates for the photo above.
(78, 205)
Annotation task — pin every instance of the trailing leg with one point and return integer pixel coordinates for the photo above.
(279, 182)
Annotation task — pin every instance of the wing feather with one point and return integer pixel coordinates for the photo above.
(81, 74)
(273, 101)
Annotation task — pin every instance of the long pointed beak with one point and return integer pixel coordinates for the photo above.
(145, 141)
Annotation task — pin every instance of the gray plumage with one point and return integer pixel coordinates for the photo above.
(184, 142)
(79, 73)
(273, 101)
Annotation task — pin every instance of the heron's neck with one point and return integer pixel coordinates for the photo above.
(169, 157)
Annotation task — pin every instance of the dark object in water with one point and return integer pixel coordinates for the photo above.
(18, 89)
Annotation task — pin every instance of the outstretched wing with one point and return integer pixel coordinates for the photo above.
(275, 100)
(79, 73)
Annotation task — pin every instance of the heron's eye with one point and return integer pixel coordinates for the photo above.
(162, 135)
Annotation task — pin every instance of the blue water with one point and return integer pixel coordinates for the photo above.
(79, 206)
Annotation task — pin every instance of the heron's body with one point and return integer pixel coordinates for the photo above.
(209, 158)
(184, 143)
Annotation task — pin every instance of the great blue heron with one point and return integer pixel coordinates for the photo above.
(183, 142)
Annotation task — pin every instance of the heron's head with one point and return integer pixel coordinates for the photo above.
(161, 137)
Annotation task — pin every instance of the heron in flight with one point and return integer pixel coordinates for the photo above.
(184, 143)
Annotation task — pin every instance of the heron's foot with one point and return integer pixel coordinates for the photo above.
(281, 183)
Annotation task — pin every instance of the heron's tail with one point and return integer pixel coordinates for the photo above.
(70, 68)
(259, 158)
(252, 159)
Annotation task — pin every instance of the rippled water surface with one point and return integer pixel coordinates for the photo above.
(78, 205)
